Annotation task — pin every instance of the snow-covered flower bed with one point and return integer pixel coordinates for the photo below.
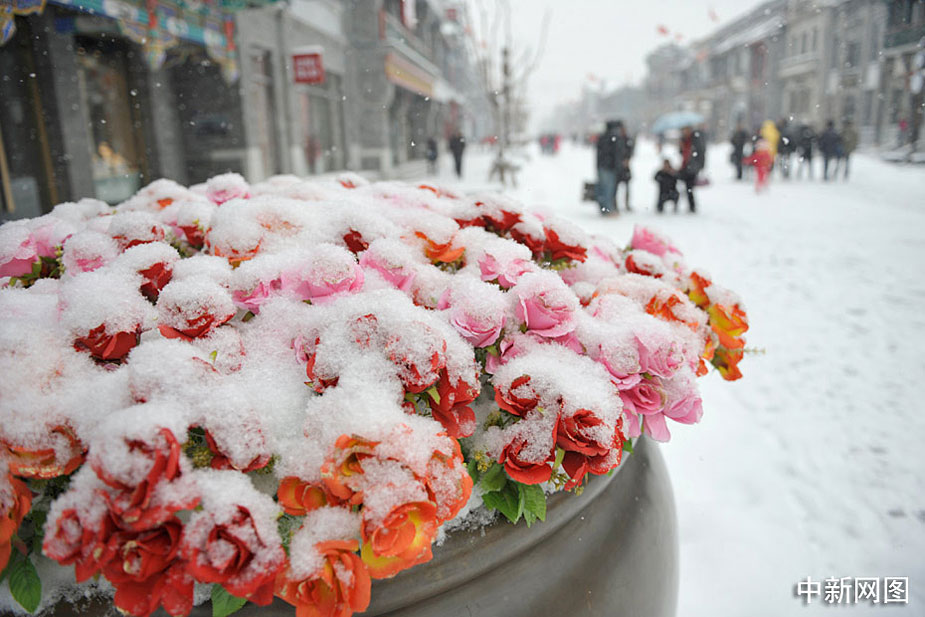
(288, 388)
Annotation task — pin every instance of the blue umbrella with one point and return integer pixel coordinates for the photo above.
(676, 120)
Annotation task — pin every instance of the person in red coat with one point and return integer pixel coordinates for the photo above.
(761, 160)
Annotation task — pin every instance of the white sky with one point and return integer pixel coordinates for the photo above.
(606, 38)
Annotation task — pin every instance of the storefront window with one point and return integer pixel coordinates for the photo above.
(117, 156)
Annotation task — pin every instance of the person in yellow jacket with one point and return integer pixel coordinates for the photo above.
(771, 135)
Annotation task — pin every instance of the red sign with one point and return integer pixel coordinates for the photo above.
(307, 68)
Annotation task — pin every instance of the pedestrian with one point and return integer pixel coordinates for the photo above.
(903, 132)
(771, 135)
(607, 169)
(457, 145)
(667, 179)
(625, 146)
(828, 146)
(805, 143)
(849, 138)
(431, 155)
(762, 160)
(692, 158)
(738, 140)
(785, 147)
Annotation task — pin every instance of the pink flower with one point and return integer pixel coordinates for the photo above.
(507, 274)
(646, 399)
(545, 314)
(320, 285)
(480, 331)
(18, 251)
(226, 187)
(660, 360)
(251, 300)
(397, 275)
(647, 240)
(624, 369)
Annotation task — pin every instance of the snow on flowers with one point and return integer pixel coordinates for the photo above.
(285, 389)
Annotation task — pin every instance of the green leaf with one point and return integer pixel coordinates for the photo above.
(628, 446)
(494, 479)
(507, 501)
(25, 584)
(560, 454)
(432, 391)
(534, 500)
(223, 603)
(473, 468)
(529, 517)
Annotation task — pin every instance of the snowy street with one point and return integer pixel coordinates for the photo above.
(811, 465)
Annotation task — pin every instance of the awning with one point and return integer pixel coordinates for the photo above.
(404, 73)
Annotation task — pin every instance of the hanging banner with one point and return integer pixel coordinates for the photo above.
(307, 65)
(9, 9)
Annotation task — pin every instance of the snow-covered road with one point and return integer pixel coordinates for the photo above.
(814, 463)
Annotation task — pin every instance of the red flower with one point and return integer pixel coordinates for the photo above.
(525, 472)
(560, 250)
(156, 277)
(575, 434)
(108, 347)
(298, 497)
(143, 567)
(520, 397)
(641, 268)
(337, 589)
(451, 406)
(155, 233)
(501, 223)
(44, 463)
(220, 461)
(194, 235)
(133, 506)
(401, 540)
(419, 361)
(196, 327)
(355, 242)
(73, 541)
(11, 519)
(234, 553)
(536, 245)
(584, 455)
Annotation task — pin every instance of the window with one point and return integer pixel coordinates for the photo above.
(835, 48)
(815, 38)
(803, 45)
(868, 111)
(853, 54)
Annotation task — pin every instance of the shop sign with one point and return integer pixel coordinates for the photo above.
(307, 66)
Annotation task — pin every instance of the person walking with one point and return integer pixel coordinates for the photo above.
(739, 139)
(785, 147)
(805, 141)
(692, 160)
(457, 145)
(761, 160)
(607, 169)
(849, 138)
(828, 146)
(771, 135)
(625, 145)
(667, 181)
(431, 155)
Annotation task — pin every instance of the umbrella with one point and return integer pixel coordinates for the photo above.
(676, 120)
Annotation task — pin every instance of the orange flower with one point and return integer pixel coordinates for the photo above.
(338, 589)
(10, 520)
(44, 463)
(440, 253)
(401, 540)
(336, 472)
(449, 485)
(709, 350)
(727, 362)
(729, 323)
(298, 497)
(666, 309)
(697, 290)
(235, 257)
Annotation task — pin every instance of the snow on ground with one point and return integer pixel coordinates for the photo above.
(812, 465)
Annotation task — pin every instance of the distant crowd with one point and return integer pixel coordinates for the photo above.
(790, 149)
